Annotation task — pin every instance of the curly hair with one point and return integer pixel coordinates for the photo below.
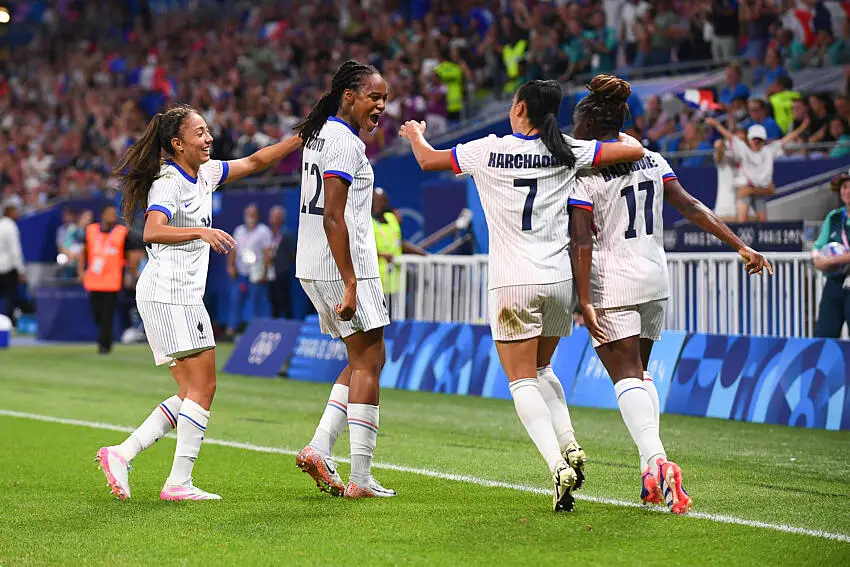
(605, 109)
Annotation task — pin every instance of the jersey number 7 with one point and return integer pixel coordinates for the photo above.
(528, 208)
(631, 203)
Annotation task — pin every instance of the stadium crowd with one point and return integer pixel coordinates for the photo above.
(254, 69)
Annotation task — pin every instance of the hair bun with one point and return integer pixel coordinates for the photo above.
(610, 87)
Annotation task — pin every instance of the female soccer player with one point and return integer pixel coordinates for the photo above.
(177, 196)
(524, 181)
(624, 296)
(337, 264)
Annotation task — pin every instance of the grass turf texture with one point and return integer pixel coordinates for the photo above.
(56, 508)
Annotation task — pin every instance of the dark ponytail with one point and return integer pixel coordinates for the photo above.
(603, 112)
(350, 75)
(140, 165)
(543, 103)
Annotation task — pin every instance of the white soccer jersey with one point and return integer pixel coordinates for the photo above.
(177, 273)
(627, 200)
(336, 152)
(524, 193)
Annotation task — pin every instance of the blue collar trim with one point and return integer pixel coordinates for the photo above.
(344, 123)
(524, 137)
(188, 177)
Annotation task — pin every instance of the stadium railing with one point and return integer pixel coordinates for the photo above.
(709, 293)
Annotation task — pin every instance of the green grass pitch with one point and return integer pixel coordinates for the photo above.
(55, 507)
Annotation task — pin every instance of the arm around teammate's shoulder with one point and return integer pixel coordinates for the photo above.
(626, 149)
(261, 159)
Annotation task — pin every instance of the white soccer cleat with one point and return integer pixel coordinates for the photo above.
(186, 492)
(565, 480)
(372, 489)
(116, 469)
(575, 456)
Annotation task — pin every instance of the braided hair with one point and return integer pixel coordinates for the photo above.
(141, 164)
(543, 102)
(603, 112)
(350, 75)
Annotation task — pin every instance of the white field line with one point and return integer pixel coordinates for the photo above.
(722, 518)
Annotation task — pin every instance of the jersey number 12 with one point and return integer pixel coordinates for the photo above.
(631, 203)
(312, 208)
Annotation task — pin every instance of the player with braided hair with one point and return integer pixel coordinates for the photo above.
(524, 180)
(621, 274)
(337, 265)
(176, 194)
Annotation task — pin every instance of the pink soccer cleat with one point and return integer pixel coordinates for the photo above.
(186, 492)
(670, 482)
(322, 469)
(116, 469)
(650, 493)
(372, 489)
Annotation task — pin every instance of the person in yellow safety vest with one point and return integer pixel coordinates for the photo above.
(782, 98)
(512, 55)
(102, 264)
(389, 241)
(453, 71)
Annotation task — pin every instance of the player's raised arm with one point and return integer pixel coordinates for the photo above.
(426, 156)
(261, 159)
(703, 217)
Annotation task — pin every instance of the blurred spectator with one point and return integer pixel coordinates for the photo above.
(453, 72)
(758, 114)
(247, 267)
(838, 132)
(724, 19)
(834, 309)
(790, 49)
(74, 242)
(69, 221)
(11, 259)
(631, 13)
(728, 176)
(694, 139)
(733, 88)
(281, 264)
(771, 70)
(252, 139)
(820, 114)
(782, 99)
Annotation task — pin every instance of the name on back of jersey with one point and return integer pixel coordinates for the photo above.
(522, 161)
(316, 144)
(622, 169)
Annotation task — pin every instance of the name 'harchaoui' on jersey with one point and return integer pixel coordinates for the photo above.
(627, 201)
(524, 192)
(337, 151)
(177, 273)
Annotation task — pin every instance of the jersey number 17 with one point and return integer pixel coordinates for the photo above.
(631, 202)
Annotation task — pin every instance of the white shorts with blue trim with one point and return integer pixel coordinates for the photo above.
(519, 312)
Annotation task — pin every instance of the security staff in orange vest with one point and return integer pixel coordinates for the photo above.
(102, 265)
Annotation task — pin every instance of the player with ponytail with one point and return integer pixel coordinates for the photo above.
(170, 176)
(524, 181)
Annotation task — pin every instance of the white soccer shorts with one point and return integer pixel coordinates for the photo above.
(175, 331)
(371, 310)
(646, 320)
(520, 312)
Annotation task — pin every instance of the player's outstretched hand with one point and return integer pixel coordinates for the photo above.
(218, 240)
(754, 262)
(345, 310)
(711, 121)
(411, 128)
(592, 323)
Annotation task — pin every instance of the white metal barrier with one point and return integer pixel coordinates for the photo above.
(709, 293)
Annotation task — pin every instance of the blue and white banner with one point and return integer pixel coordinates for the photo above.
(316, 357)
(264, 348)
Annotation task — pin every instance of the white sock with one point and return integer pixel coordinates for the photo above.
(636, 408)
(363, 433)
(649, 384)
(535, 416)
(162, 420)
(333, 421)
(191, 425)
(553, 394)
